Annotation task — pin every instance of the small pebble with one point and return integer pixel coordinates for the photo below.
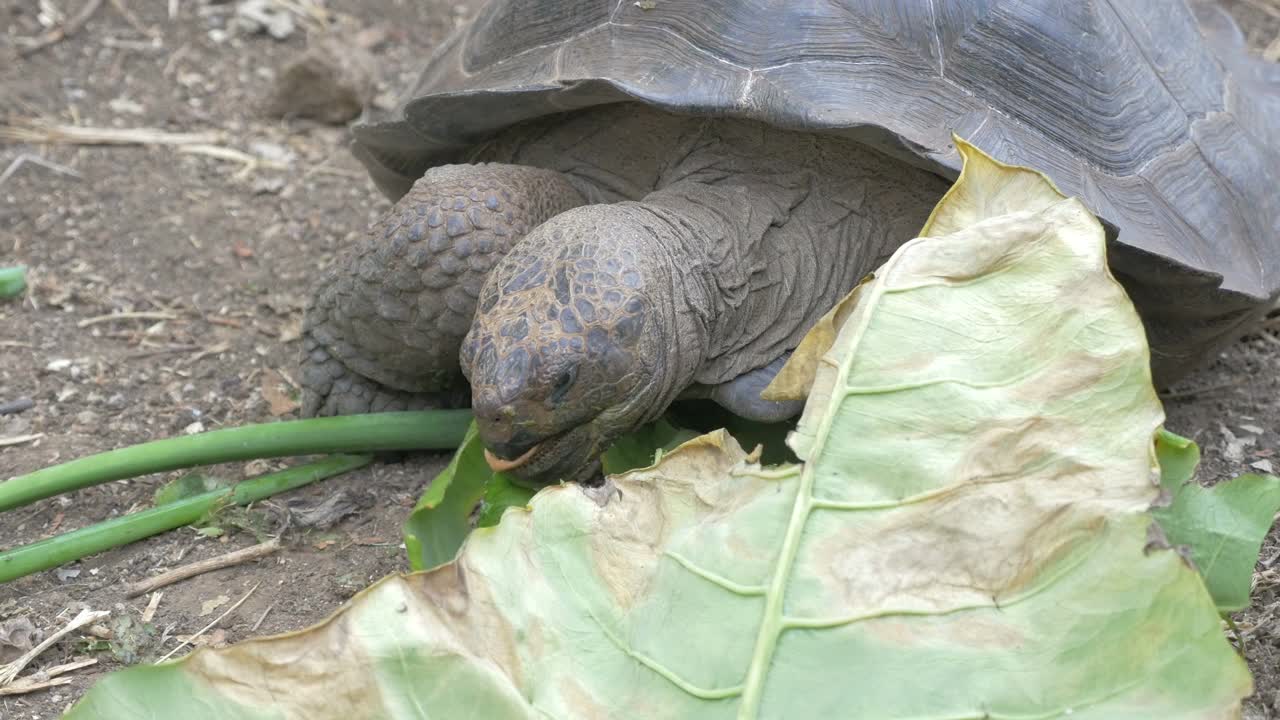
(272, 152)
(264, 16)
(19, 405)
(125, 106)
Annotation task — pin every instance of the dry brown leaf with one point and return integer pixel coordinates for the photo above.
(273, 390)
(208, 606)
(17, 636)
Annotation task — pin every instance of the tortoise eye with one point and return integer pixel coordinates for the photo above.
(564, 381)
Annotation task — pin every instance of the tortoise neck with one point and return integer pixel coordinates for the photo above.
(739, 297)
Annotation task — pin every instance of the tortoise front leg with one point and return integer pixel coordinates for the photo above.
(383, 329)
(741, 395)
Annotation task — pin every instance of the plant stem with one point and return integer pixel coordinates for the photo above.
(422, 430)
(12, 281)
(77, 544)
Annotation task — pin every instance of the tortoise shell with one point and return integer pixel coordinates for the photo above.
(1149, 111)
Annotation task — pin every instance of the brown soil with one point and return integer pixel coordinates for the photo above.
(227, 256)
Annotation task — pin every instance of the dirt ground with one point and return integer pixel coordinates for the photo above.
(216, 259)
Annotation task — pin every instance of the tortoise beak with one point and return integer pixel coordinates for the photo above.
(498, 464)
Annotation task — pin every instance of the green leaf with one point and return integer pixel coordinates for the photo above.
(442, 518)
(499, 494)
(187, 486)
(965, 537)
(13, 280)
(641, 447)
(1223, 526)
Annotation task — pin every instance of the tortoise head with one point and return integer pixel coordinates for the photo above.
(562, 356)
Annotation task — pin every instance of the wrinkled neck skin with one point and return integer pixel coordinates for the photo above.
(752, 235)
(714, 286)
(685, 302)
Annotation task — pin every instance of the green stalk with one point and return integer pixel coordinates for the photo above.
(422, 430)
(68, 547)
(12, 281)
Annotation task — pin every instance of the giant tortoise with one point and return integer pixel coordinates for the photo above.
(602, 206)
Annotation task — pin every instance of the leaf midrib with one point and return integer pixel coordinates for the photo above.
(772, 622)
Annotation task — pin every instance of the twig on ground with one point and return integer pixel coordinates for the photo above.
(261, 617)
(149, 46)
(45, 678)
(19, 439)
(172, 63)
(206, 628)
(154, 603)
(206, 143)
(32, 131)
(203, 566)
(63, 31)
(10, 671)
(253, 162)
(127, 316)
(133, 20)
(169, 350)
(211, 350)
(324, 168)
(25, 158)
(26, 685)
(231, 154)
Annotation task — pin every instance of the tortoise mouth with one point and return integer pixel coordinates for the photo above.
(563, 456)
(498, 464)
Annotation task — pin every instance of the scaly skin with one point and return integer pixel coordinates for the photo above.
(384, 328)
(605, 314)
(711, 248)
(577, 339)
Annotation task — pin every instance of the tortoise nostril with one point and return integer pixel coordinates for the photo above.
(499, 416)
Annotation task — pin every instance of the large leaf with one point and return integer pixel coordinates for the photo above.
(442, 517)
(447, 510)
(966, 537)
(1222, 526)
(499, 494)
(986, 188)
(642, 447)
